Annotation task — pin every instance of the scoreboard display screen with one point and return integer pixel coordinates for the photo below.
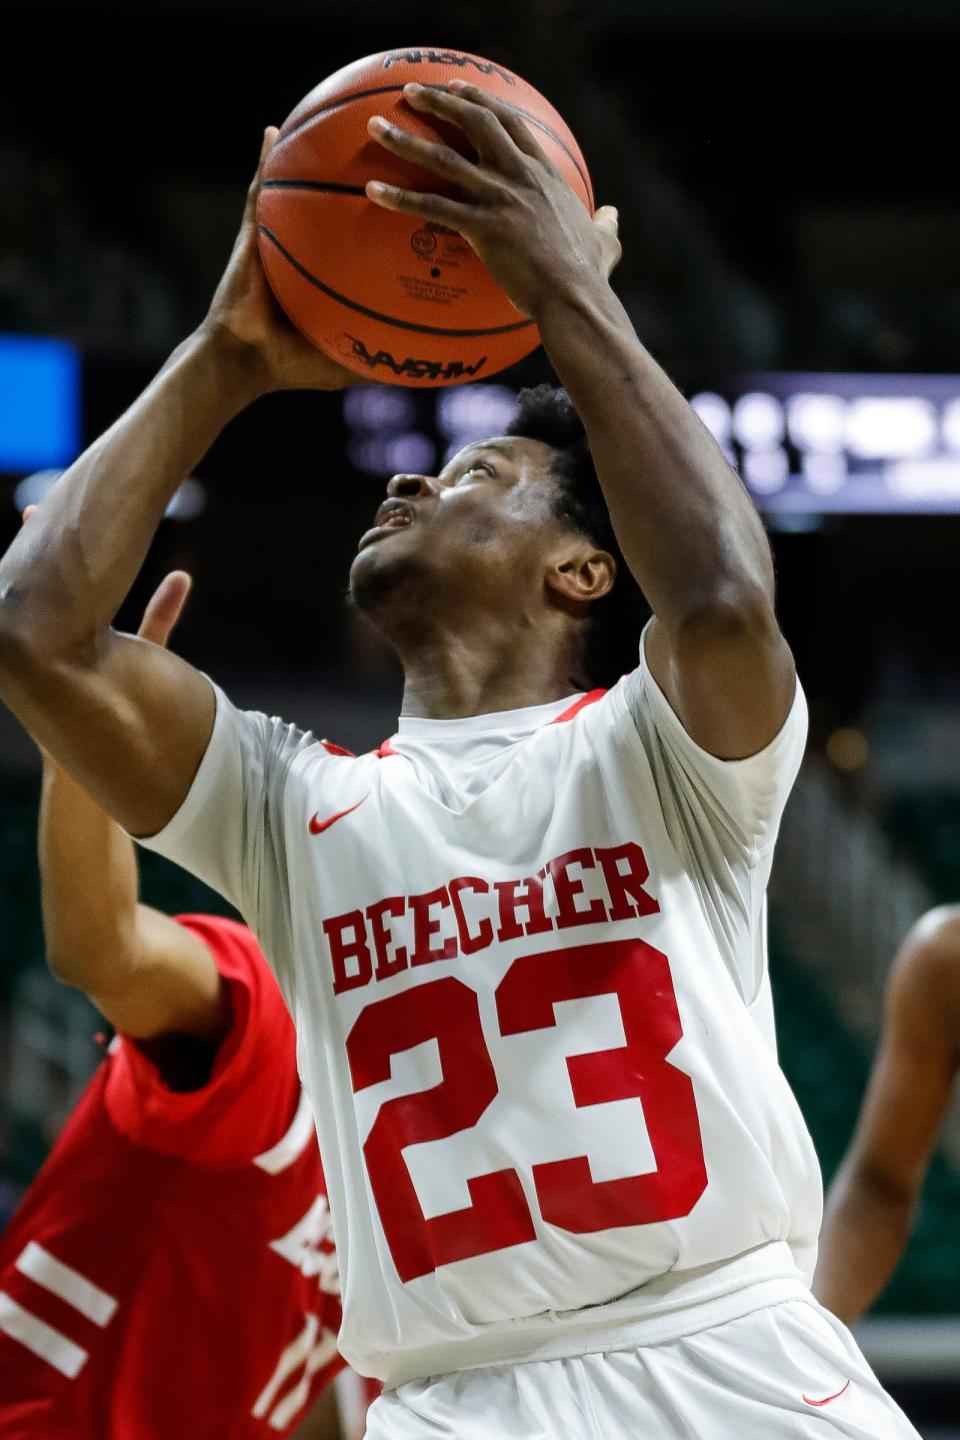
(804, 444)
(842, 444)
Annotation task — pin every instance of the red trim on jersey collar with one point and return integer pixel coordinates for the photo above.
(386, 749)
(591, 697)
(333, 749)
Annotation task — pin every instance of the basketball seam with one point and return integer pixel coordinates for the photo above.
(334, 105)
(393, 89)
(328, 186)
(376, 314)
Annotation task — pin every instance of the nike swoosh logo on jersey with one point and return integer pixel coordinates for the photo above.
(826, 1401)
(317, 826)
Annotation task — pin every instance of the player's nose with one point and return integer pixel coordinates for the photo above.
(411, 487)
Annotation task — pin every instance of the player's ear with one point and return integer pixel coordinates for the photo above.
(581, 574)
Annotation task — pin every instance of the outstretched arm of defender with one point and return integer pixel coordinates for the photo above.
(686, 526)
(872, 1201)
(148, 975)
(127, 719)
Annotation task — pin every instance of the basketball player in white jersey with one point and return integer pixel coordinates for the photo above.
(522, 942)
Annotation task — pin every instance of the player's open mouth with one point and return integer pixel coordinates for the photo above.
(394, 514)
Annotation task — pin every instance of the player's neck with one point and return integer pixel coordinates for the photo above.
(457, 675)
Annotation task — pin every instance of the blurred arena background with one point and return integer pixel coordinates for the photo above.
(791, 224)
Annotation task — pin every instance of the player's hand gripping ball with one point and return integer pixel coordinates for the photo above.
(392, 296)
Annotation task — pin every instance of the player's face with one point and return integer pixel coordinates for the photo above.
(478, 534)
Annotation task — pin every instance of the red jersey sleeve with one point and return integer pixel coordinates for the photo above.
(253, 1086)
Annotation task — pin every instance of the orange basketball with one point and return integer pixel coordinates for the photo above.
(392, 297)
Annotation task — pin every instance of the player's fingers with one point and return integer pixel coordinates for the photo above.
(480, 125)
(27, 513)
(511, 119)
(269, 140)
(441, 159)
(607, 221)
(427, 206)
(165, 607)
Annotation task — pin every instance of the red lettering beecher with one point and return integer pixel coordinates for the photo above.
(459, 918)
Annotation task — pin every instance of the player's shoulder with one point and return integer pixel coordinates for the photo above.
(592, 710)
(594, 729)
(236, 954)
(307, 756)
(235, 948)
(927, 966)
(260, 1045)
(273, 739)
(938, 931)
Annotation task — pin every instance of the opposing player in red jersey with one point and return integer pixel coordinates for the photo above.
(873, 1200)
(171, 1271)
(525, 942)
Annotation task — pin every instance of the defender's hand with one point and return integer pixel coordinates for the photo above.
(516, 209)
(244, 313)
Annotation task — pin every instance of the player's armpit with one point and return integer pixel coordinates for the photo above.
(728, 675)
(323, 1422)
(169, 984)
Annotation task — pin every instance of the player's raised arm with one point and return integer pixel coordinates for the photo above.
(148, 975)
(872, 1201)
(129, 720)
(685, 524)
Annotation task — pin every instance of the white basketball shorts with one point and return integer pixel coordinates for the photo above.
(786, 1372)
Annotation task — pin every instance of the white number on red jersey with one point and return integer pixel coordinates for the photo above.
(87, 1299)
(308, 1246)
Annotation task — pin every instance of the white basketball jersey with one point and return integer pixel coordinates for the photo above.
(525, 956)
